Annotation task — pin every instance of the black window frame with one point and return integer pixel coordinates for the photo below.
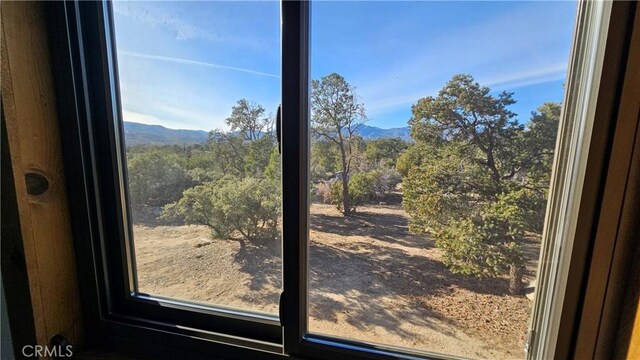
(86, 80)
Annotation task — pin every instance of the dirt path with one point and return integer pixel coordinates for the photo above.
(369, 280)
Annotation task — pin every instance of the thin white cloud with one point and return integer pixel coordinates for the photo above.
(155, 17)
(196, 117)
(510, 81)
(515, 39)
(528, 77)
(197, 63)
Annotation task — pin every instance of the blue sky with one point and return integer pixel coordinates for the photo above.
(185, 64)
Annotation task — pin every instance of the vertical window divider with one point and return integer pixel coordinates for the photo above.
(295, 159)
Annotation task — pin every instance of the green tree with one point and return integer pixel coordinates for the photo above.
(230, 206)
(444, 185)
(156, 177)
(229, 152)
(325, 159)
(258, 155)
(274, 168)
(246, 149)
(385, 151)
(248, 119)
(476, 178)
(412, 157)
(336, 116)
(364, 187)
(361, 190)
(539, 141)
(465, 113)
(487, 244)
(202, 166)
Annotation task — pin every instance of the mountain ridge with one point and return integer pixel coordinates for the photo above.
(145, 134)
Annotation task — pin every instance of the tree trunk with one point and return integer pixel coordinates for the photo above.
(345, 195)
(346, 205)
(516, 286)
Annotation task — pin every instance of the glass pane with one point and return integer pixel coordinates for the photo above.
(200, 85)
(433, 132)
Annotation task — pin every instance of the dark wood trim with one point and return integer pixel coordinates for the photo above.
(623, 299)
(627, 336)
(616, 236)
(593, 193)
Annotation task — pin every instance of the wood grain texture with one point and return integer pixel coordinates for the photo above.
(28, 99)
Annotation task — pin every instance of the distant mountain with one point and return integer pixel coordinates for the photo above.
(372, 132)
(142, 134)
(139, 134)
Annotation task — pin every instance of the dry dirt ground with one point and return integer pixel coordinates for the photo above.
(369, 280)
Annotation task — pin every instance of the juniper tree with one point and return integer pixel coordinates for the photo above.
(336, 116)
(476, 178)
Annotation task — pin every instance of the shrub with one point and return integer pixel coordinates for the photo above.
(202, 175)
(156, 177)
(364, 187)
(386, 181)
(274, 167)
(411, 158)
(361, 190)
(335, 191)
(258, 156)
(249, 207)
(487, 245)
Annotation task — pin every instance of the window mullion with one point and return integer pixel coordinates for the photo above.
(295, 158)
